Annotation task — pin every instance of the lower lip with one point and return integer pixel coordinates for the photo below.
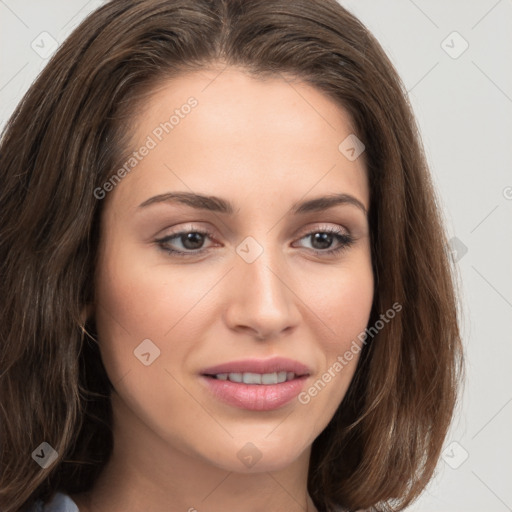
(255, 397)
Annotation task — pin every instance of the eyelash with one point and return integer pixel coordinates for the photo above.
(345, 241)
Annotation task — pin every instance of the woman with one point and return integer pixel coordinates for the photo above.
(224, 274)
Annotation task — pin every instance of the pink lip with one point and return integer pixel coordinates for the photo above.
(274, 364)
(256, 397)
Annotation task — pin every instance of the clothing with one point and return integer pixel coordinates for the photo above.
(60, 503)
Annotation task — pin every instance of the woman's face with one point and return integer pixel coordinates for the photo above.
(276, 275)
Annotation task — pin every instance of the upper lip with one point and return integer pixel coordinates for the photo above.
(274, 364)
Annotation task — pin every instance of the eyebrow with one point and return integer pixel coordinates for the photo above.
(219, 205)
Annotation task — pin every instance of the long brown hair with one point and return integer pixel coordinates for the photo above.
(69, 134)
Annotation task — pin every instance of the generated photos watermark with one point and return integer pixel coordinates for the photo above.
(151, 142)
(344, 359)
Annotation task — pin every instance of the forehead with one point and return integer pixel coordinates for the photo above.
(264, 134)
(233, 100)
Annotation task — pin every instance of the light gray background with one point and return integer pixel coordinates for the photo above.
(463, 102)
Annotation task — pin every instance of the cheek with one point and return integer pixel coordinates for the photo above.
(342, 299)
(346, 304)
(146, 300)
(342, 305)
(349, 315)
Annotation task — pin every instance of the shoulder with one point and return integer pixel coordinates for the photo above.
(59, 503)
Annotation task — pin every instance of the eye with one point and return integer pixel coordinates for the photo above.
(190, 242)
(323, 239)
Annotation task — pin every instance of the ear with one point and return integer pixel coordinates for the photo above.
(87, 312)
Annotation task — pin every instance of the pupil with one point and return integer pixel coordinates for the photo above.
(325, 240)
(192, 240)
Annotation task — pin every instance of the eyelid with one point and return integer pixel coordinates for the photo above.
(322, 227)
(185, 228)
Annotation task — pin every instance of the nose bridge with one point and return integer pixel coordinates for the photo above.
(262, 300)
(260, 266)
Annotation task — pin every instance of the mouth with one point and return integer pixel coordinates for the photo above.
(257, 385)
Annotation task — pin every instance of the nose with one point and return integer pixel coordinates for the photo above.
(262, 301)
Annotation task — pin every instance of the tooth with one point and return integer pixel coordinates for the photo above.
(281, 377)
(269, 378)
(251, 378)
(257, 378)
(235, 377)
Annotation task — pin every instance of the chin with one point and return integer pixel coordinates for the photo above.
(260, 452)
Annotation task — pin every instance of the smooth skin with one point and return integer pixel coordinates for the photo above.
(263, 145)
